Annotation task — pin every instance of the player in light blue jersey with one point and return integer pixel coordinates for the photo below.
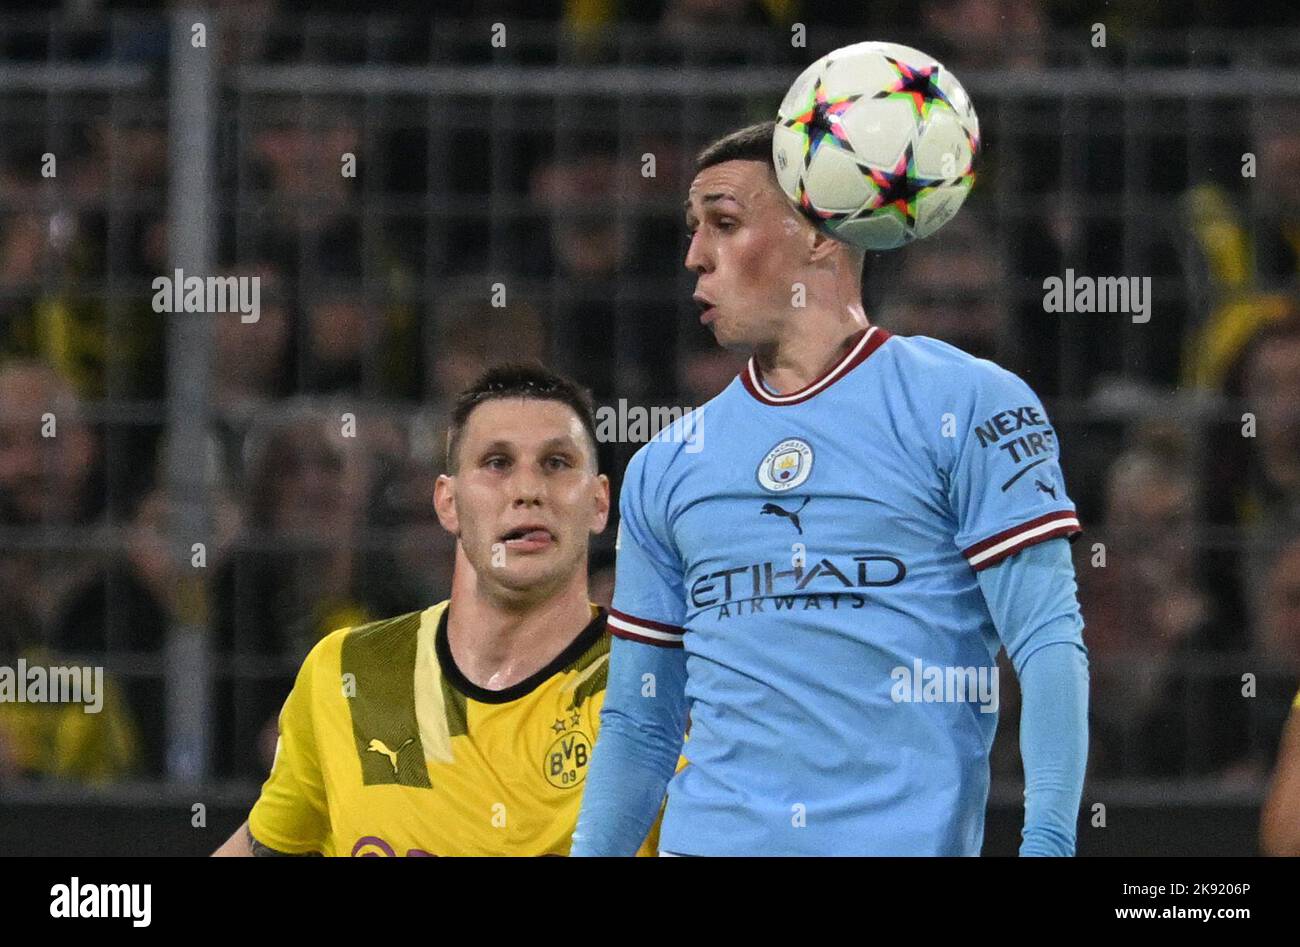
(823, 570)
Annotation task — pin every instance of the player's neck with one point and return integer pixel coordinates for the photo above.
(496, 644)
(811, 349)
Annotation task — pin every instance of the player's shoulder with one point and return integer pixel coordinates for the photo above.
(936, 366)
(683, 438)
(938, 361)
(386, 630)
(382, 635)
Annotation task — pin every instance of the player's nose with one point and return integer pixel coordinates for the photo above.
(527, 487)
(698, 259)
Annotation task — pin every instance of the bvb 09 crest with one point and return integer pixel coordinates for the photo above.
(566, 760)
(786, 465)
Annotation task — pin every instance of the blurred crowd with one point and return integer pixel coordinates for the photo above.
(467, 238)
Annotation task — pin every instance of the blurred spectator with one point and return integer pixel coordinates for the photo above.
(1149, 536)
(1158, 709)
(1274, 664)
(355, 340)
(337, 339)
(253, 362)
(719, 32)
(411, 554)
(1253, 472)
(591, 235)
(299, 155)
(705, 368)
(56, 261)
(60, 740)
(694, 20)
(473, 335)
(978, 288)
(47, 453)
(1241, 266)
(588, 237)
(44, 486)
(1276, 190)
(1272, 394)
(985, 34)
(950, 288)
(713, 15)
(120, 618)
(294, 575)
(47, 484)
(246, 30)
(359, 325)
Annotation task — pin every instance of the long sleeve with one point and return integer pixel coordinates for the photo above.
(641, 729)
(1033, 600)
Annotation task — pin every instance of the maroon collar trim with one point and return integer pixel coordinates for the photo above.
(862, 345)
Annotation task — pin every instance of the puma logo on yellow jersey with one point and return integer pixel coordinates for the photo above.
(378, 746)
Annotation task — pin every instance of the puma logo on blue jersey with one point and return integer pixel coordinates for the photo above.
(775, 510)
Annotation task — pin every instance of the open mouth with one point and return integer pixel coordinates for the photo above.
(528, 538)
(706, 308)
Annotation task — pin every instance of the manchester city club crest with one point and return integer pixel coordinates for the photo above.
(786, 466)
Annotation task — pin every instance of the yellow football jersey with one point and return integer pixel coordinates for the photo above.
(387, 749)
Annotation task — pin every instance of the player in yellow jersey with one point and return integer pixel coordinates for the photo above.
(465, 729)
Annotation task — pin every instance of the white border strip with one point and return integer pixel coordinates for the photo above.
(1067, 519)
(816, 386)
(643, 631)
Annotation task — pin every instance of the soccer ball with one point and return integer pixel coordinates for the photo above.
(876, 143)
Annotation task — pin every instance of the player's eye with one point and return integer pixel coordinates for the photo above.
(558, 462)
(726, 224)
(496, 462)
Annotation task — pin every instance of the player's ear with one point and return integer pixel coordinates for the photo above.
(444, 503)
(600, 511)
(822, 246)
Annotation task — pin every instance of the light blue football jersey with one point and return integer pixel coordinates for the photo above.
(815, 553)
